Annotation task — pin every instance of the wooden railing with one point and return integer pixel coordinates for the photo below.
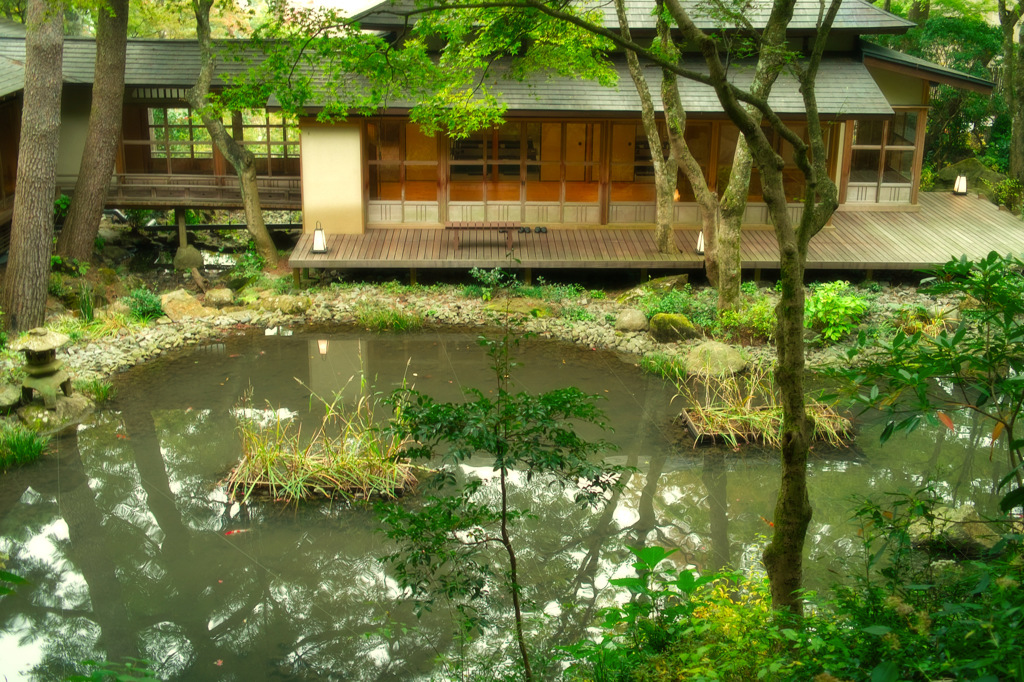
(204, 191)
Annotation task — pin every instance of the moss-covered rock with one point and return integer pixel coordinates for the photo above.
(980, 177)
(659, 285)
(670, 327)
(523, 306)
(714, 358)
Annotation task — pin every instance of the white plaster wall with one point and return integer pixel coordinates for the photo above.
(332, 178)
(74, 124)
(898, 89)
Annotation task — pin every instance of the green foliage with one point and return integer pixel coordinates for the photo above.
(577, 313)
(140, 217)
(3, 334)
(19, 445)
(923, 611)
(61, 206)
(928, 176)
(100, 390)
(754, 320)
(7, 579)
(380, 317)
(451, 545)
(143, 305)
(981, 359)
(56, 286)
(1009, 193)
(701, 307)
(86, 302)
(492, 281)
(834, 310)
(249, 264)
(132, 670)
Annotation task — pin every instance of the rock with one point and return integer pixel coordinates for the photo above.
(285, 303)
(10, 397)
(714, 358)
(523, 306)
(220, 297)
(669, 327)
(960, 531)
(180, 304)
(980, 178)
(70, 410)
(631, 320)
(188, 257)
(662, 284)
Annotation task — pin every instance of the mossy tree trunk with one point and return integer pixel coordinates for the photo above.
(28, 265)
(240, 158)
(78, 236)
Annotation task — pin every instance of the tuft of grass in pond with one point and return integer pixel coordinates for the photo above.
(662, 365)
(100, 390)
(382, 318)
(346, 456)
(746, 409)
(19, 445)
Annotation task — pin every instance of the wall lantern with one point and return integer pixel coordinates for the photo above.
(322, 345)
(960, 186)
(700, 243)
(319, 239)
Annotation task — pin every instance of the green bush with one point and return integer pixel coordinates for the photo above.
(755, 320)
(577, 313)
(61, 206)
(833, 310)
(249, 263)
(143, 305)
(701, 306)
(1008, 193)
(19, 445)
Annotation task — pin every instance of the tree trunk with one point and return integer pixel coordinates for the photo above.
(82, 224)
(919, 11)
(664, 168)
(28, 269)
(1013, 83)
(240, 157)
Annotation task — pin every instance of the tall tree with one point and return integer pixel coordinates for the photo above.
(76, 239)
(1011, 79)
(241, 158)
(28, 267)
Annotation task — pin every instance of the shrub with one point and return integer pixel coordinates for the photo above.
(61, 206)
(144, 305)
(577, 313)
(701, 307)
(491, 281)
(381, 318)
(1008, 193)
(833, 310)
(249, 263)
(19, 445)
(755, 320)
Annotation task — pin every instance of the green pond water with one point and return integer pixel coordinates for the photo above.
(132, 547)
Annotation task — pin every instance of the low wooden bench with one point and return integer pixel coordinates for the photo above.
(506, 226)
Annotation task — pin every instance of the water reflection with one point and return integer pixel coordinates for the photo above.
(132, 548)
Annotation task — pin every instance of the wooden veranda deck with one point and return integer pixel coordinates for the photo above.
(945, 226)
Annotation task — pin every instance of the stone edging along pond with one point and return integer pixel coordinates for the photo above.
(190, 322)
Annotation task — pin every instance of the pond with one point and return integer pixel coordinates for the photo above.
(132, 547)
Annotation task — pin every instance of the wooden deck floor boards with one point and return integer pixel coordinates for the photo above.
(945, 226)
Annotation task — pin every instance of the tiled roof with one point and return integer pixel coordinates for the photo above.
(926, 69)
(844, 87)
(11, 29)
(12, 76)
(855, 16)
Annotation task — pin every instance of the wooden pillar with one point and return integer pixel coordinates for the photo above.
(869, 275)
(527, 276)
(179, 217)
(643, 275)
(757, 274)
(412, 276)
(297, 277)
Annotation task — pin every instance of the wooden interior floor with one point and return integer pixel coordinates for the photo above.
(945, 226)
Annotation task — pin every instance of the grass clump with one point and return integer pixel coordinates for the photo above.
(382, 318)
(346, 456)
(100, 390)
(664, 366)
(78, 329)
(143, 305)
(746, 409)
(19, 445)
(701, 307)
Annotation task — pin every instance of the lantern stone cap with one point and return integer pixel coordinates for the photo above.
(39, 340)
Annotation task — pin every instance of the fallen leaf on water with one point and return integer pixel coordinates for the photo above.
(236, 532)
(946, 420)
(235, 355)
(219, 661)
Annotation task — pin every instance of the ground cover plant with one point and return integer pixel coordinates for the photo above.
(143, 305)
(834, 309)
(346, 455)
(915, 612)
(381, 317)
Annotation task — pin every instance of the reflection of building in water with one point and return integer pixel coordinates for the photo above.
(335, 367)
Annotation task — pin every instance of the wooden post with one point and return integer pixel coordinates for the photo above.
(179, 217)
(412, 276)
(527, 276)
(757, 274)
(297, 277)
(869, 275)
(643, 275)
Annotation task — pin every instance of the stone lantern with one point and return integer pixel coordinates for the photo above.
(45, 373)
